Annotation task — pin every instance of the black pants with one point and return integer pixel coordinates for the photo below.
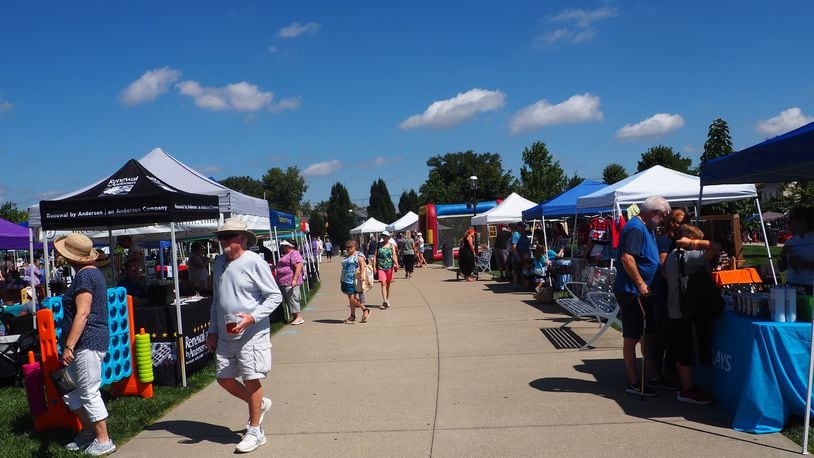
(409, 262)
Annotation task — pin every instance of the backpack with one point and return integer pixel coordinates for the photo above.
(698, 294)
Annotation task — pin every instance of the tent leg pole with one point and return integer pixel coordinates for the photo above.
(31, 260)
(806, 422)
(175, 272)
(47, 258)
(766, 240)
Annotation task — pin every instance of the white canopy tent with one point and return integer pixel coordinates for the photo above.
(508, 211)
(676, 187)
(370, 226)
(408, 222)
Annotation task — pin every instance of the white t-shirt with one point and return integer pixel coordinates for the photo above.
(803, 248)
(244, 285)
(693, 261)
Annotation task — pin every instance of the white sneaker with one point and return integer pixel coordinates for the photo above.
(265, 406)
(97, 448)
(81, 441)
(254, 437)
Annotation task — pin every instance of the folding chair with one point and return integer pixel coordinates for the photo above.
(484, 262)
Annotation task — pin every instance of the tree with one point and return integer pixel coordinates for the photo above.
(380, 204)
(408, 202)
(541, 176)
(613, 173)
(340, 219)
(574, 181)
(791, 195)
(718, 143)
(245, 184)
(666, 157)
(284, 189)
(316, 220)
(448, 180)
(10, 212)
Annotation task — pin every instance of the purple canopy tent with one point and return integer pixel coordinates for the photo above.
(13, 236)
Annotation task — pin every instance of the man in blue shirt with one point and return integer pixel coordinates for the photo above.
(638, 258)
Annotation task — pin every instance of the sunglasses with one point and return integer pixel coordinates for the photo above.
(227, 235)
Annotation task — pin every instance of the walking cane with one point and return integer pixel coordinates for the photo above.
(643, 338)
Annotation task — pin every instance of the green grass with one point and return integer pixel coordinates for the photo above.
(128, 415)
(754, 255)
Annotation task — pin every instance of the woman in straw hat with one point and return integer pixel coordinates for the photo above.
(85, 341)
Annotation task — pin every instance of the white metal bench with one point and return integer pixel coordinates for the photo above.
(592, 299)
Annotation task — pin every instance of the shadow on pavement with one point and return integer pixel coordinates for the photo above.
(196, 431)
(329, 321)
(610, 381)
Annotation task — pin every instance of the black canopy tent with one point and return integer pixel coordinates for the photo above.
(132, 197)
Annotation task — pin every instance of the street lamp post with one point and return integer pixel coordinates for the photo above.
(473, 182)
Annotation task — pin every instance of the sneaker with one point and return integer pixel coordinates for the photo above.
(97, 448)
(254, 437)
(81, 441)
(636, 390)
(385, 305)
(694, 396)
(265, 406)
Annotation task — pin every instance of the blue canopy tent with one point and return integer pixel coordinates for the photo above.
(787, 157)
(564, 205)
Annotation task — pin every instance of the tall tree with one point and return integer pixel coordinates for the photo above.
(666, 157)
(408, 202)
(448, 180)
(541, 176)
(10, 212)
(316, 220)
(284, 189)
(340, 218)
(718, 143)
(245, 184)
(380, 205)
(613, 172)
(573, 180)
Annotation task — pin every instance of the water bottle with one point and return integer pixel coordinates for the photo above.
(791, 304)
(777, 304)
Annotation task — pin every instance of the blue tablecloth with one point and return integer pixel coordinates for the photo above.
(759, 371)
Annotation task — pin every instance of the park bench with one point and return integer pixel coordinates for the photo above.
(593, 299)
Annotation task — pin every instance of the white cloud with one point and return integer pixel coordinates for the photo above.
(578, 26)
(149, 86)
(786, 121)
(296, 29)
(274, 49)
(292, 103)
(447, 113)
(240, 96)
(578, 108)
(6, 106)
(321, 169)
(691, 149)
(655, 126)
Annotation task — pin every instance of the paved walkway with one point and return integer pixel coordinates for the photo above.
(451, 369)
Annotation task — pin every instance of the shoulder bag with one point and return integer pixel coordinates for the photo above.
(698, 294)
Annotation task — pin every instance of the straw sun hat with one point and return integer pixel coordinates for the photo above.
(76, 248)
(236, 225)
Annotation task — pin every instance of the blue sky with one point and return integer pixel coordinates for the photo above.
(354, 91)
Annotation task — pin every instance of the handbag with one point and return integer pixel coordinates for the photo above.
(63, 381)
(698, 294)
(364, 279)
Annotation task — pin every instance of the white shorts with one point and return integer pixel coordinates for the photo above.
(86, 370)
(249, 359)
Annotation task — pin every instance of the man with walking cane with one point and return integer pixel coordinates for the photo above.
(638, 258)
